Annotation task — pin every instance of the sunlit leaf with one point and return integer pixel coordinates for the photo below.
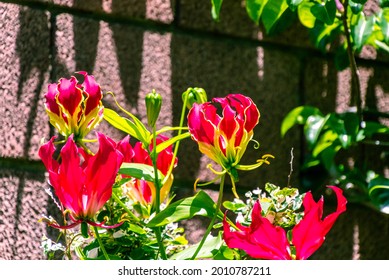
(313, 127)
(305, 15)
(356, 8)
(134, 128)
(293, 4)
(198, 205)
(273, 12)
(325, 141)
(298, 115)
(162, 146)
(382, 46)
(140, 171)
(379, 193)
(361, 31)
(216, 6)
(254, 9)
(324, 34)
(209, 249)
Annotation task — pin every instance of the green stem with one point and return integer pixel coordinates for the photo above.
(356, 93)
(178, 142)
(157, 194)
(101, 244)
(210, 226)
(118, 201)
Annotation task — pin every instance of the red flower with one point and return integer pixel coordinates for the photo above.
(223, 128)
(74, 108)
(309, 233)
(143, 191)
(224, 138)
(265, 241)
(82, 186)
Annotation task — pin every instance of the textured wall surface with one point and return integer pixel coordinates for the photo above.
(132, 47)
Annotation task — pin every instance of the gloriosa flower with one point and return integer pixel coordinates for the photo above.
(74, 108)
(82, 182)
(223, 136)
(141, 191)
(263, 240)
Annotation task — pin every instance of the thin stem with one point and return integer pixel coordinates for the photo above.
(356, 93)
(178, 142)
(118, 201)
(101, 243)
(210, 226)
(157, 194)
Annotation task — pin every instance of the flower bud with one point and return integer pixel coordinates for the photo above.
(153, 107)
(194, 95)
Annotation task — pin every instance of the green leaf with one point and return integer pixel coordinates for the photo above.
(361, 31)
(140, 171)
(210, 248)
(136, 229)
(272, 13)
(351, 124)
(384, 25)
(135, 129)
(198, 205)
(234, 206)
(325, 12)
(356, 8)
(293, 4)
(254, 9)
(162, 146)
(325, 141)
(379, 193)
(327, 156)
(216, 6)
(341, 58)
(313, 127)
(305, 15)
(298, 115)
(382, 46)
(362, 2)
(323, 34)
(372, 128)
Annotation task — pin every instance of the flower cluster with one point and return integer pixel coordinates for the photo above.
(124, 190)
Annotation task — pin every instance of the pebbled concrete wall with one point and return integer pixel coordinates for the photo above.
(132, 47)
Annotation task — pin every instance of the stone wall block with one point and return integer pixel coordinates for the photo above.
(22, 202)
(24, 64)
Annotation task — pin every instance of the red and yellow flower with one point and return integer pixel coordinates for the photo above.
(223, 128)
(263, 240)
(73, 108)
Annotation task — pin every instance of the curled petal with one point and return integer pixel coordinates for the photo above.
(70, 96)
(100, 174)
(93, 91)
(51, 102)
(310, 232)
(260, 240)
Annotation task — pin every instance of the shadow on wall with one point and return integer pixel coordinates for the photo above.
(264, 75)
(277, 82)
(32, 57)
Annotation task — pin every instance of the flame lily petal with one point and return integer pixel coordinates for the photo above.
(260, 240)
(309, 233)
(82, 188)
(73, 108)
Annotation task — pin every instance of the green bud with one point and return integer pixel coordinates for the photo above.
(194, 95)
(153, 107)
